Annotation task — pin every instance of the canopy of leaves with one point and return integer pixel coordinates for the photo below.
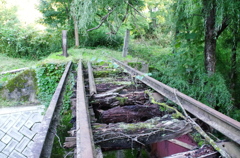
(111, 13)
(7, 14)
(56, 13)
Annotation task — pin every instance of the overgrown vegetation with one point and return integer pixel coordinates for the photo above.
(48, 77)
(65, 118)
(186, 74)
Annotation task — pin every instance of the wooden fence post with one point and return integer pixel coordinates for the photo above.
(126, 42)
(64, 43)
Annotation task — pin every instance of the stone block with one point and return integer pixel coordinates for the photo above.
(29, 123)
(15, 134)
(26, 151)
(16, 154)
(23, 144)
(2, 145)
(3, 155)
(7, 125)
(3, 119)
(36, 127)
(10, 146)
(20, 122)
(6, 139)
(1, 134)
(27, 132)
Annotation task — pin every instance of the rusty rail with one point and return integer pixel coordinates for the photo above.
(43, 141)
(84, 139)
(224, 124)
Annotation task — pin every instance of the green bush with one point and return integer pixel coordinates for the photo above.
(28, 43)
(101, 38)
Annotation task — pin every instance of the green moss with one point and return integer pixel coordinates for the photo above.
(20, 80)
(121, 100)
(105, 73)
(136, 126)
(135, 65)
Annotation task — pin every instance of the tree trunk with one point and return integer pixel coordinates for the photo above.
(76, 33)
(114, 100)
(210, 37)
(64, 43)
(126, 42)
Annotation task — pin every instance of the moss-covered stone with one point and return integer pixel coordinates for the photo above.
(22, 87)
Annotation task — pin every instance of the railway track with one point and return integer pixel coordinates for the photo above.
(115, 96)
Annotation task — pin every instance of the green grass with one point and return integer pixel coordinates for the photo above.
(8, 63)
(98, 54)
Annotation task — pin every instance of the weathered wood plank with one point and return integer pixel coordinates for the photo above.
(124, 135)
(115, 99)
(129, 114)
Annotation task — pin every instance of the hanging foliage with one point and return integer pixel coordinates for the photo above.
(93, 14)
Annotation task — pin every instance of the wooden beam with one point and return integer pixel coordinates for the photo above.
(125, 135)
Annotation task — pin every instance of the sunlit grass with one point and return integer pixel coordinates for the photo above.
(8, 63)
(93, 55)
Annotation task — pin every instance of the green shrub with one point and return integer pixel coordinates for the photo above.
(101, 38)
(29, 43)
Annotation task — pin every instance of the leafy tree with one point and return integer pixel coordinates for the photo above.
(56, 13)
(111, 13)
(7, 15)
(159, 13)
(23, 42)
(212, 27)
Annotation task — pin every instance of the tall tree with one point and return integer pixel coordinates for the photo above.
(217, 16)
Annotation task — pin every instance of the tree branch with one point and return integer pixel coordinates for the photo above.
(102, 20)
(222, 28)
(123, 19)
(125, 16)
(135, 9)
